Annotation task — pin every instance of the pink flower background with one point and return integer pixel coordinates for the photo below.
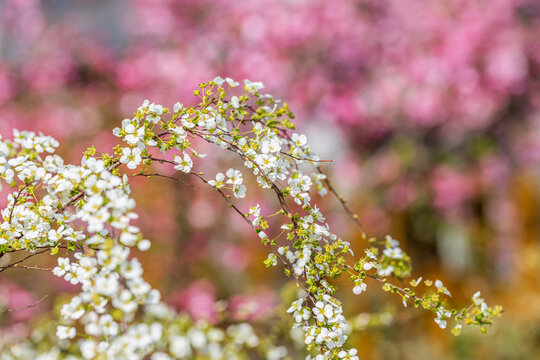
(430, 109)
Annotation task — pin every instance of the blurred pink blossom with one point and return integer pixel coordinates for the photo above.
(451, 187)
(24, 303)
(198, 300)
(252, 307)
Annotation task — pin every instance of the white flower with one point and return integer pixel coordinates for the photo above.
(253, 87)
(231, 82)
(369, 265)
(135, 137)
(299, 140)
(256, 212)
(235, 177)
(359, 288)
(131, 269)
(235, 102)
(88, 349)
(239, 191)
(197, 338)
(74, 309)
(177, 107)
(107, 325)
(143, 245)
(139, 287)
(155, 113)
(323, 311)
(55, 235)
(439, 285)
(395, 253)
(65, 332)
(271, 145)
(218, 183)
(107, 285)
(442, 315)
(179, 346)
(442, 323)
(390, 242)
(62, 268)
(160, 356)
(348, 355)
(184, 164)
(180, 133)
(131, 156)
(218, 80)
(95, 165)
(276, 353)
(125, 302)
(386, 271)
(129, 128)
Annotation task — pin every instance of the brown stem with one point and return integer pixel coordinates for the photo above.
(25, 307)
(13, 265)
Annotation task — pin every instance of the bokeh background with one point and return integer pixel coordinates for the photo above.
(430, 110)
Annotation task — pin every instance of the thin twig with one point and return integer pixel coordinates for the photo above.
(158, 175)
(24, 267)
(12, 265)
(343, 202)
(25, 307)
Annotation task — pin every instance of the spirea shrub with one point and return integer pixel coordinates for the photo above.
(84, 214)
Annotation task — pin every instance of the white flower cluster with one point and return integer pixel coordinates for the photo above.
(234, 178)
(478, 301)
(164, 335)
(120, 313)
(110, 281)
(391, 251)
(274, 159)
